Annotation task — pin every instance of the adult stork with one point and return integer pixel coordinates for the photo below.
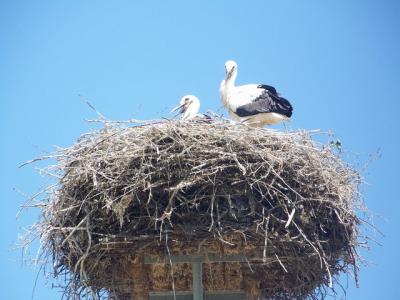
(188, 107)
(254, 104)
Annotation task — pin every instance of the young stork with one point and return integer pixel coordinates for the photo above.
(255, 104)
(188, 107)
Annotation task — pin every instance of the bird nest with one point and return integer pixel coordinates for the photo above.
(125, 194)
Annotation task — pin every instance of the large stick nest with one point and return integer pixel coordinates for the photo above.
(173, 188)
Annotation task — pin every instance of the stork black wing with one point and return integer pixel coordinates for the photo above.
(267, 102)
(268, 88)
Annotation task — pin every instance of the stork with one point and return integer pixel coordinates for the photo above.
(254, 104)
(188, 107)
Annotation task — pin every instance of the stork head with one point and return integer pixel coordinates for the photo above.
(188, 107)
(230, 69)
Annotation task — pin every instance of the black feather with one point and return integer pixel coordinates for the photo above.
(268, 88)
(267, 102)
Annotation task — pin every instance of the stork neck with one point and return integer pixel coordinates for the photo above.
(230, 82)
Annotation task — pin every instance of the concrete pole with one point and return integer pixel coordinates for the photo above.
(197, 273)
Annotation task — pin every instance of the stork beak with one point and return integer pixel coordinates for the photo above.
(229, 73)
(177, 108)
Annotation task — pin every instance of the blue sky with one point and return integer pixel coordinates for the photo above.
(338, 62)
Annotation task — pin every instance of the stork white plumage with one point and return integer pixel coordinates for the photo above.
(188, 107)
(255, 104)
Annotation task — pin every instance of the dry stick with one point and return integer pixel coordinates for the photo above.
(222, 240)
(241, 167)
(212, 206)
(75, 228)
(38, 159)
(249, 264)
(290, 218)
(170, 263)
(280, 262)
(92, 107)
(81, 260)
(322, 259)
(265, 238)
(31, 199)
